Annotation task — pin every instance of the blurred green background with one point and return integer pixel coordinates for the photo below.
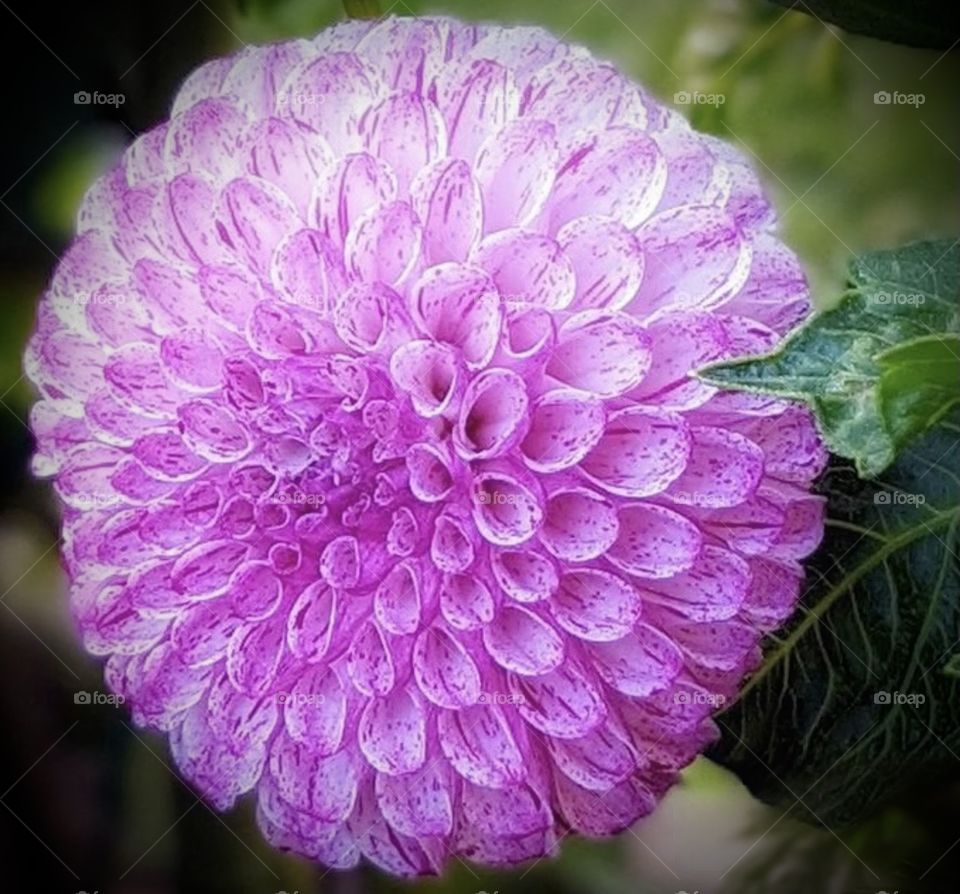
(90, 804)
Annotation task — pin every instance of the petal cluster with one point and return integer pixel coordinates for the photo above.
(387, 492)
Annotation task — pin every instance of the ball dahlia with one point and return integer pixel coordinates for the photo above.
(387, 492)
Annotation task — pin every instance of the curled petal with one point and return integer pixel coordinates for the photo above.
(315, 711)
(607, 262)
(306, 271)
(369, 317)
(620, 156)
(370, 662)
(459, 305)
(524, 575)
(431, 479)
(522, 642)
(397, 601)
(596, 605)
(528, 338)
(702, 259)
(579, 524)
(428, 372)
(481, 746)
(451, 547)
(254, 216)
(654, 542)
(418, 804)
(564, 703)
(527, 268)
(466, 602)
(328, 95)
(597, 761)
(712, 590)
(204, 137)
(310, 624)
(253, 655)
(407, 132)
(446, 198)
(516, 169)
(480, 101)
(281, 152)
(360, 182)
(384, 245)
(392, 733)
(640, 663)
(492, 415)
(641, 452)
(213, 432)
(506, 511)
(602, 354)
(564, 426)
(444, 671)
(723, 469)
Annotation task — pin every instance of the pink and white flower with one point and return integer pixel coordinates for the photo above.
(388, 493)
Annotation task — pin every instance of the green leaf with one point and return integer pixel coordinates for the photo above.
(362, 9)
(919, 383)
(879, 368)
(917, 23)
(857, 701)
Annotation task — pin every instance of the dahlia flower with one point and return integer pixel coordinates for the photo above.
(387, 492)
